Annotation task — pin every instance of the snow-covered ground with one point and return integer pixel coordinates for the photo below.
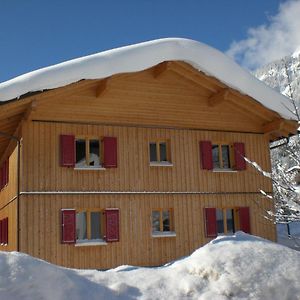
(235, 267)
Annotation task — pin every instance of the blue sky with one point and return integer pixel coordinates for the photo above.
(36, 34)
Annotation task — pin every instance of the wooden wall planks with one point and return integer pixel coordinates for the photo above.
(41, 227)
(41, 170)
(138, 98)
(8, 204)
(133, 105)
(40, 221)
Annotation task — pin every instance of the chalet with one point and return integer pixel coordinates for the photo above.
(135, 155)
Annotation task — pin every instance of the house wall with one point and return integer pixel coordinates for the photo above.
(42, 171)
(40, 218)
(40, 227)
(170, 100)
(8, 204)
(138, 108)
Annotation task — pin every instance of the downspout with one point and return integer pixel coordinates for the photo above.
(12, 137)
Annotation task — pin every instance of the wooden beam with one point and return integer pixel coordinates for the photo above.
(12, 143)
(195, 78)
(273, 126)
(251, 106)
(291, 126)
(101, 88)
(160, 69)
(218, 97)
(30, 109)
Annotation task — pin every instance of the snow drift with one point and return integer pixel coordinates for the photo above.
(235, 267)
(145, 55)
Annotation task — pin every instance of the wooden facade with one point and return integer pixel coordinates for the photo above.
(171, 102)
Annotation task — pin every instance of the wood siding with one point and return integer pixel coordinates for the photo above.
(42, 171)
(41, 229)
(40, 220)
(172, 100)
(136, 109)
(8, 203)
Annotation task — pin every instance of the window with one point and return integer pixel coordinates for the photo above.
(226, 220)
(90, 225)
(222, 156)
(162, 221)
(159, 153)
(88, 153)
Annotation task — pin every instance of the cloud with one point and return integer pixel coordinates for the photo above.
(268, 42)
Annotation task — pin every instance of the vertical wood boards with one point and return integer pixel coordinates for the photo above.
(40, 220)
(136, 246)
(42, 171)
(8, 203)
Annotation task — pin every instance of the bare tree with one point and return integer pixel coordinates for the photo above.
(285, 153)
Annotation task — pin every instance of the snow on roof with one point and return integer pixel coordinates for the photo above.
(142, 56)
(229, 267)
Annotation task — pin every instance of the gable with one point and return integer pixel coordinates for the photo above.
(171, 94)
(135, 58)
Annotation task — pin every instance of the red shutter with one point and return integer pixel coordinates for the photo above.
(5, 173)
(1, 234)
(68, 224)
(2, 231)
(112, 224)
(239, 153)
(5, 239)
(1, 178)
(210, 222)
(110, 152)
(206, 155)
(244, 214)
(67, 150)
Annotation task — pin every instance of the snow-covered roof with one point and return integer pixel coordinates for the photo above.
(142, 56)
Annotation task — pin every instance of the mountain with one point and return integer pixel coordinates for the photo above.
(279, 73)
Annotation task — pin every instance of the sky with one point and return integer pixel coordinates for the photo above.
(39, 33)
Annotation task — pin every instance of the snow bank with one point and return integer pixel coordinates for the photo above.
(142, 56)
(237, 267)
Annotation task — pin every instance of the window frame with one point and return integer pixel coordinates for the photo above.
(87, 140)
(159, 162)
(89, 240)
(161, 232)
(236, 219)
(220, 156)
